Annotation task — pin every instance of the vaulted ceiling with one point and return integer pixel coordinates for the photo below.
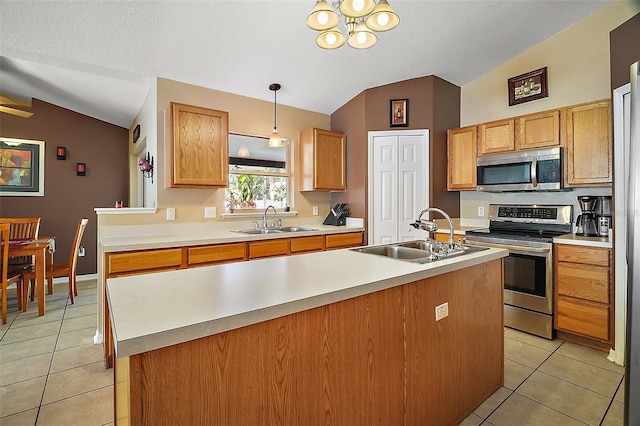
(100, 58)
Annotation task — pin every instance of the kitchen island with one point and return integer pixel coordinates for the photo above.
(334, 337)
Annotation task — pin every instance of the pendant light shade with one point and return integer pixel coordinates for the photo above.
(322, 17)
(383, 17)
(330, 39)
(357, 8)
(362, 37)
(275, 141)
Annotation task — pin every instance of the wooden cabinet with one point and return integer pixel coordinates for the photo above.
(461, 153)
(307, 244)
(349, 239)
(269, 248)
(144, 261)
(496, 136)
(217, 253)
(538, 130)
(199, 148)
(588, 144)
(322, 160)
(584, 293)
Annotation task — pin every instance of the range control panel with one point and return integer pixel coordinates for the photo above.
(531, 213)
(528, 212)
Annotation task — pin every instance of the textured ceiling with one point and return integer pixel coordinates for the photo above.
(100, 58)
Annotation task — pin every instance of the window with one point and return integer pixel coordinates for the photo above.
(258, 175)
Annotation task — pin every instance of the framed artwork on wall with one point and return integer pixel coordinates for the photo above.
(399, 112)
(528, 87)
(21, 167)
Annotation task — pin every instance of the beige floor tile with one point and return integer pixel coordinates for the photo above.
(21, 396)
(25, 418)
(567, 398)
(77, 356)
(521, 411)
(619, 396)
(31, 317)
(594, 378)
(615, 415)
(590, 356)
(25, 369)
(472, 420)
(27, 348)
(524, 353)
(78, 380)
(96, 408)
(74, 311)
(487, 407)
(76, 338)
(85, 298)
(515, 374)
(79, 323)
(21, 334)
(530, 339)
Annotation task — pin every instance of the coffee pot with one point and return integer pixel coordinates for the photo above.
(586, 223)
(604, 215)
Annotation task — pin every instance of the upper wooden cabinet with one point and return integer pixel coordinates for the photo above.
(588, 144)
(538, 130)
(199, 148)
(322, 163)
(496, 136)
(461, 152)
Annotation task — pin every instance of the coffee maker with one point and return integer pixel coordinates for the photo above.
(604, 215)
(587, 224)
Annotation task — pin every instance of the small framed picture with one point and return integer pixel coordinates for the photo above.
(399, 112)
(528, 87)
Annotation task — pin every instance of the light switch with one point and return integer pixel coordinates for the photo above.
(209, 212)
(171, 213)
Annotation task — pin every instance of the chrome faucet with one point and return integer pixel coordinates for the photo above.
(432, 226)
(264, 220)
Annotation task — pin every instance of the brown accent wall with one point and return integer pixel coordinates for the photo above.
(434, 104)
(67, 197)
(624, 43)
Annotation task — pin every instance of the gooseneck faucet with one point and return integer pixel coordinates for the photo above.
(432, 226)
(264, 220)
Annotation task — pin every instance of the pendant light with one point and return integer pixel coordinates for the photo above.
(275, 141)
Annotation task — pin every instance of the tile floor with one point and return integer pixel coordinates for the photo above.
(51, 373)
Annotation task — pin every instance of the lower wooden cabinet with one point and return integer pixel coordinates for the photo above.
(349, 239)
(216, 253)
(307, 244)
(127, 263)
(269, 248)
(584, 294)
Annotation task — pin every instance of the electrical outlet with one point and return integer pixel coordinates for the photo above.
(481, 211)
(442, 311)
(315, 210)
(171, 213)
(209, 212)
(81, 251)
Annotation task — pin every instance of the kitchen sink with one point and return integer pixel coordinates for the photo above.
(419, 251)
(295, 229)
(260, 231)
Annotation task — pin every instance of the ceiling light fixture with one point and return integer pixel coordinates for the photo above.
(362, 18)
(275, 141)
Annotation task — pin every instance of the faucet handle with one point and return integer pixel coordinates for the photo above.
(256, 224)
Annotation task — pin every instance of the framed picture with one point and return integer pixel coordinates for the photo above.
(528, 87)
(21, 167)
(399, 112)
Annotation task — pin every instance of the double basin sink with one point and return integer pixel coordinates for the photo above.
(419, 251)
(282, 230)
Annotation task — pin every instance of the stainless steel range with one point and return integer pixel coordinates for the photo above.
(527, 231)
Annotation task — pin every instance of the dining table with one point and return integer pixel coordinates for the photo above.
(41, 248)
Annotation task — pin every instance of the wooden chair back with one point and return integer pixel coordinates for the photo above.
(4, 241)
(22, 228)
(7, 278)
(75, 248)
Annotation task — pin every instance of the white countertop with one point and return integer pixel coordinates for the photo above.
(579, 240)
(152, 311)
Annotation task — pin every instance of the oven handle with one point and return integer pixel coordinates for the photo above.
(512, 249)
(534, 172)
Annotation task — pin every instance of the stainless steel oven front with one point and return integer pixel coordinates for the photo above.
(528, 284)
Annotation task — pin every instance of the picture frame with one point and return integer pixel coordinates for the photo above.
(21, 167)
(528, 87)
(399, 112)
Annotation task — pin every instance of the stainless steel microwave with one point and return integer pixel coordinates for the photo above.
(532, 170)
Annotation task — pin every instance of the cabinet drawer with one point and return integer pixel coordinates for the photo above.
(303, 244)
(581, 254)
(582, 317)
(583, 281)
(217, 253)
(140, 261)
(267, 248)
(350, 239)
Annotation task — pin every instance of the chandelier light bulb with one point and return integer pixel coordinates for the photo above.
(361, 38)
(323, 18)
(331, 39)
(383, 19)
(358, 5)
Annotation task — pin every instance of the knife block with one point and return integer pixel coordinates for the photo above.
(339, 219)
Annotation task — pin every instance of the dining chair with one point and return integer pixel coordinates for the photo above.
(22, 228)
(56, 270)
(10, 275)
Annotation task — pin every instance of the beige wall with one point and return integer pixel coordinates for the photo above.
(246, 115)
(577, 60)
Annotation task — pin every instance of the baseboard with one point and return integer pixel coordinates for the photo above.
(65, 280)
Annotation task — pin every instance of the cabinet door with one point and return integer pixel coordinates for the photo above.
(496, 136)
(218, 253)
(583, 281)
(269, 248)
(307, 244)
(538, 130)
(199, 148)
(140, 262)
(588, 144)
(583, 317)
(322, 160)
(461, 149)
(336, 241)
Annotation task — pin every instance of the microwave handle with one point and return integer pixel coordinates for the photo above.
(534, 172)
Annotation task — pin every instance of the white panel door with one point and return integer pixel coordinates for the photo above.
(398, 183)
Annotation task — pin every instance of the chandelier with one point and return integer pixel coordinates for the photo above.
(362, 18)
